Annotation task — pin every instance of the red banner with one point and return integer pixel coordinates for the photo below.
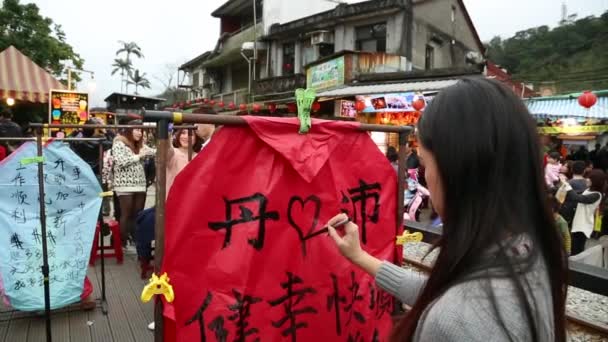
(246, 249)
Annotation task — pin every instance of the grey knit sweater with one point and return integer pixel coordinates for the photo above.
(465, 313)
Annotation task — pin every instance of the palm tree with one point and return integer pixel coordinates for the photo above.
(130, 48)
(125, 67)
(139, 80)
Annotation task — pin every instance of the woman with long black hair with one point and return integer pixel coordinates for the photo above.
(501, 271)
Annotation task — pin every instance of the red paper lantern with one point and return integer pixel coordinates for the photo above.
(212, 102)
(206, 100)
(221, 104)
(587, 99)
(292, 108)
(272, 107)
(243, 107)
(256, 107)
(231, 105)
(316, 106)
(360, 106)
(418, 104)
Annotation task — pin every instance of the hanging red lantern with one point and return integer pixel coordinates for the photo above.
(231, 105)
(256, 107)
(360, 106)
(221, 104)
(292, 108)
(587, 99)
(205, 100)
(212, 102)
(272, 107)
(316, 106)
(243, 107)
(418, 104)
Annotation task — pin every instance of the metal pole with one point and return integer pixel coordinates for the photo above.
(162, 132)
(149, 127)
(189, 147)
(152, 116)
(45, 256)
(101, 241)
(255, 36)
(401, 171)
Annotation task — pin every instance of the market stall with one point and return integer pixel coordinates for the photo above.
(578, 119)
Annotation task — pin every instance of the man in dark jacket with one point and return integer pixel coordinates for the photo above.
(9, 129)
(579, 185)
(89, 150)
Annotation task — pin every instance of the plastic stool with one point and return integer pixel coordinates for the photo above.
(116, 244)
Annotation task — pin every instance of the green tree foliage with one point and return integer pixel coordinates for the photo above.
(139, 80)
(128, 48)
(38, 37)
(574, 55)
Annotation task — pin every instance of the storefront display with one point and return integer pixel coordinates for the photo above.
(68, 107)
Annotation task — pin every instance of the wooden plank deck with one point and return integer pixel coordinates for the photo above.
(126, 321)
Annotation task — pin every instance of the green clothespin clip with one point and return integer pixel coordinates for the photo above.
(304, 99)
(31, 160)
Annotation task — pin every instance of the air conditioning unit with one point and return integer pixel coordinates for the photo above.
(321, 37)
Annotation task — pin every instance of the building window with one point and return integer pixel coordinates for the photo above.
(308, 52)
(429, 58)
(195, 79)
(326, 50)
(289, 58)
(371, 38)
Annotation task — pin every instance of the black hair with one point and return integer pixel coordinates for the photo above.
(487, 199)
(391, 154)
(598, 180)
(555, 155)
(89, 132)
(578, 168)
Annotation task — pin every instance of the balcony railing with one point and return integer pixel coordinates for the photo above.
(278, 85)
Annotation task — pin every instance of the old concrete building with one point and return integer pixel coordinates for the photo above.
(392, 35)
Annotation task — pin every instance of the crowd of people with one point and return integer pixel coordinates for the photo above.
(578, 185)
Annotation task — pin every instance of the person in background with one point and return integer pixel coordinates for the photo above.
(8, 129)
(128, 154)
(393, 157)
(412, 162)
(588, 167)
(579, 184)
(177, 159)
(89, 150)
(581, 154)
(588, 205)
(552, 169)
(594, 156)
(566, 170)
(204, 132)
(562, 225)
(500, 274)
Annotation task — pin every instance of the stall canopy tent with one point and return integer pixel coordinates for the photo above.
(567, 106)
(22, 79)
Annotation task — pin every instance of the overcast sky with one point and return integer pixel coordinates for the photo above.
(172, 32)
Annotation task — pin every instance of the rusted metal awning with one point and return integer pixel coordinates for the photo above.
(24, 80)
